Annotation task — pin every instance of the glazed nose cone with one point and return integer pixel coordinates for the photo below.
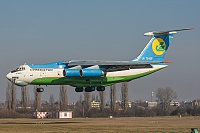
(8, 76)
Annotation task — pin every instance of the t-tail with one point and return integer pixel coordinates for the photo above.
(157, 47)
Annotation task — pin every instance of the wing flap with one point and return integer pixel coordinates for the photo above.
(127, 67)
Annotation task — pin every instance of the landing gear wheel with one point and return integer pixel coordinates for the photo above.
(40, 89)
(89, 89)
(100, 88)
(79, 89)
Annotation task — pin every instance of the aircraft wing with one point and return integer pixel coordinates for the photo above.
(106, 63)
(111, 65)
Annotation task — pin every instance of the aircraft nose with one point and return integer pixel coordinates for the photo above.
(8, 76)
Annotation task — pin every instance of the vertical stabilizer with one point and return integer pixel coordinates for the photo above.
(157, 47)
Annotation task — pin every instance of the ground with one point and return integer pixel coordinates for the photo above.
(101, 125)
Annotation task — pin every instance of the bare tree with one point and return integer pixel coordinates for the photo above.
(81, 105)
(87, 101)
(81, 98)
(93, 97)
(63, 99)
(124, 91)
(165, 96)
(113, 98)
(37, 102)
(97, 98)
(102, 100)
(13, 96)
(51, 102)
(8, 96)
(24, 98)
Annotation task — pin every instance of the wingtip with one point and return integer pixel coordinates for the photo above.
(189, 29)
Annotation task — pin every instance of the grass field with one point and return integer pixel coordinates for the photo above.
(100, 125)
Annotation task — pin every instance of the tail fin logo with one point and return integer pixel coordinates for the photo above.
(158, 46)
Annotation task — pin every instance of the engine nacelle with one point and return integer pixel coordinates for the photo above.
(91, 73)
(71, 72)
(83, 73)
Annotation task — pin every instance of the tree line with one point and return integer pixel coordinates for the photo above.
(82, 108)
(26, 107)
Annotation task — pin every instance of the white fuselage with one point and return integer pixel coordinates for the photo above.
(25, 75)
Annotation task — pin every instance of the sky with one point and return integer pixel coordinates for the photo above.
(42, 31)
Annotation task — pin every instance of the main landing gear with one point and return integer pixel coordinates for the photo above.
(90, 89)
(79, 89)
(100, 88)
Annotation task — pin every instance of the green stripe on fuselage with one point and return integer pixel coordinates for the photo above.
(87, 81)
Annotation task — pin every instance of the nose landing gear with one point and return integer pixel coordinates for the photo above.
(40, 89)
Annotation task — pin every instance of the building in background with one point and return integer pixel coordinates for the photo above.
(61, 114)
(151, 104)
(196, 102)
(174, 103)
(95, 104)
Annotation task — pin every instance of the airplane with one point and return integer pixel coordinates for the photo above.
(91, 75)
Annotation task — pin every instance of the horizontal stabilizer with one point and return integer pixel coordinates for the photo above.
(165, 32)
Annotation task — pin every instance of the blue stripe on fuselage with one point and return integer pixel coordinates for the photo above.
(48, 65)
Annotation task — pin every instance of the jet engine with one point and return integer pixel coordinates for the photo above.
(91, 73)
(83, 73)
(71, 72)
